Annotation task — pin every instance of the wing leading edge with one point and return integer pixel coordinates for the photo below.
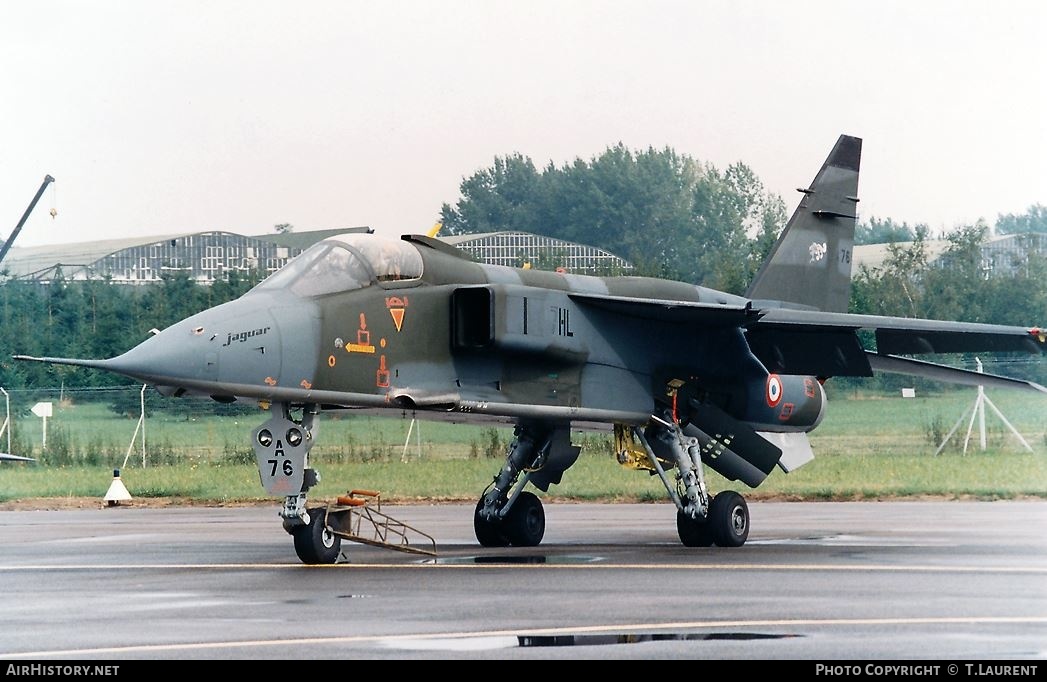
(666, 310)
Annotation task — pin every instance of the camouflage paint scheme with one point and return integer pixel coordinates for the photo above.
(693, 375)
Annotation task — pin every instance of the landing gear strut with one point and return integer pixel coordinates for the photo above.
(281, 447)
(507, 514)
(702, 519)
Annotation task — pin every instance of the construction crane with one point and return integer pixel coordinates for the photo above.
(25, 216)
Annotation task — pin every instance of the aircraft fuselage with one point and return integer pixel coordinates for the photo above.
(478, 338)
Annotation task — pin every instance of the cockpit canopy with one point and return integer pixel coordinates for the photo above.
(344, 263)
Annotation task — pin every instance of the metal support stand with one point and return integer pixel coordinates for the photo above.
(978, 410)
(140, 427)
(7, 420)
(418, 441)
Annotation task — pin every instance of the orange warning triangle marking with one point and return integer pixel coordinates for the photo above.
(398, 317)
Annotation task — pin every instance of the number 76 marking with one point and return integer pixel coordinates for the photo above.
(287, 468)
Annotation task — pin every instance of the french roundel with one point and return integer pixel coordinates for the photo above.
(774, 390)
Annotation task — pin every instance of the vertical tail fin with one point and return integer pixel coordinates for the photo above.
(810, 264)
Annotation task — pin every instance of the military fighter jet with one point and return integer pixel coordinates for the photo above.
(686, 377)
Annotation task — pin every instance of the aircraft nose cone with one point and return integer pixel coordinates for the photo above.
(231, 343)
(234, 350)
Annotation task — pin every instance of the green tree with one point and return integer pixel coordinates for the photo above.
(232, 286)
(21, 309)
(503, 197)
(897, 286)
(959, 285)
(107, 318)
(1033, 220)
(886, 231)
(176, 297)
(668, 214)
(772, 222)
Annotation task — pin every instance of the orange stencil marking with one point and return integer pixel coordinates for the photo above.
(398, 317)
(396, 306)
(271, 381)
(382, 375)
(305, 384)
(331, 361)
(363, 339)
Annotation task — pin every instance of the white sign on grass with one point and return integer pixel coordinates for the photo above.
(42, 409)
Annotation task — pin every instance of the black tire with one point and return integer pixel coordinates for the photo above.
(525, 522)
(488, 534)
(314, 543)
(729, 519)
(693, 532)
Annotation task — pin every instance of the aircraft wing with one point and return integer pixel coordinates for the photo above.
(828, 344)
(909, 336)
(812, 342)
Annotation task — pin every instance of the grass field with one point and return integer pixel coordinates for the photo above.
(865, 448)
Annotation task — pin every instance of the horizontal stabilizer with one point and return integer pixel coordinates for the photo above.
(951, 375)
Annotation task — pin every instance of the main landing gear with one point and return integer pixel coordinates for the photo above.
(507, 514)
(702, 519)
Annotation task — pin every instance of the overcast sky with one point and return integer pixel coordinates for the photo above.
(161, 117)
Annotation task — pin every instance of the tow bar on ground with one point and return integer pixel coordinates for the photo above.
(353, 517)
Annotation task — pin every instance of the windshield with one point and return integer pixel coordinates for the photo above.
(345, 263)
(390, 259)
